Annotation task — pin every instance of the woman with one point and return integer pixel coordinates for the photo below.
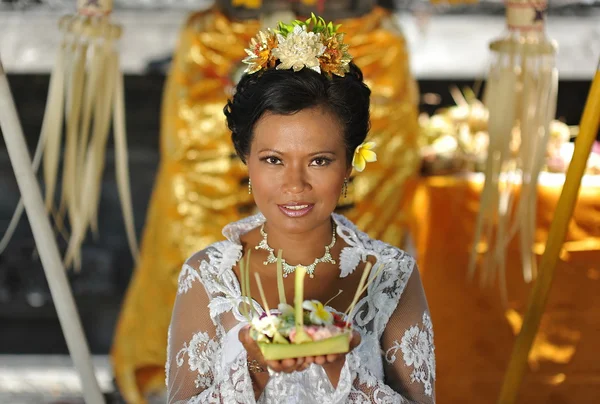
(201, 185)
(299, 119)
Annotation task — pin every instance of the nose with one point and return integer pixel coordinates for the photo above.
(295, 180)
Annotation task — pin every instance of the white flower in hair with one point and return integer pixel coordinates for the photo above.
(299, 49)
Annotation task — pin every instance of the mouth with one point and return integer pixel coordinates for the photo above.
(296, 209)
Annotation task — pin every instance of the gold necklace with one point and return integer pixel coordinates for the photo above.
(287, 268)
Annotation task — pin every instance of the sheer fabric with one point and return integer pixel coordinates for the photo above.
(395, 362)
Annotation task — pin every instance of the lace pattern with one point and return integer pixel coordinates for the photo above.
(392, 318)
(417, 352)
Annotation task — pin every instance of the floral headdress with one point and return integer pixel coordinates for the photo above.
(313, 43)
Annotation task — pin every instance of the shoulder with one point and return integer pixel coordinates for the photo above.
(214, 255)
(207, 265)
(363, 247)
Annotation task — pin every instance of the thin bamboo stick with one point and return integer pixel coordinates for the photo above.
(46, 244)
(261, 292)
(590, 122)
(280, 287)
(359, 289)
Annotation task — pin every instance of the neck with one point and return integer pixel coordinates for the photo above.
(300, 248)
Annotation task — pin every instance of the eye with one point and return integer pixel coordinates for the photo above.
(271, 160)
(321, 162)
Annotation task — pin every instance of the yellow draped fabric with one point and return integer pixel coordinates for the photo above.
(475, 333)
(201, 185)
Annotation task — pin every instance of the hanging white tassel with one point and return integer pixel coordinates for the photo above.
(86, 91)
(521, 99)
(51, 128)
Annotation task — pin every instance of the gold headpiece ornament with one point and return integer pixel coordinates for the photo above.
(313, 43)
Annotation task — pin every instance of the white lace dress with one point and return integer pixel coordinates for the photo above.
(395, 362)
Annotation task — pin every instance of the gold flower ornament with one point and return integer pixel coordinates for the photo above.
(313, 44)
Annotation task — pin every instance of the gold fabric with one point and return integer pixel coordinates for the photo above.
(474, 333)
(201, 185)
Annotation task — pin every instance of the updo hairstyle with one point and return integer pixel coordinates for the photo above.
(285, 92)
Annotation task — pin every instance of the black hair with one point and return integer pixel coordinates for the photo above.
(286, 92)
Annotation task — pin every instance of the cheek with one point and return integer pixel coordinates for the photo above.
(328, 185)
(260, 181)
(264, 185)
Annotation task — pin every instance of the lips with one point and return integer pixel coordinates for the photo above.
(296, 209)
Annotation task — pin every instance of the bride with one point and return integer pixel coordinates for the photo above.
(299, 119)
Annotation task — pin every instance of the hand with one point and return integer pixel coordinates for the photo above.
(293, 364)
(252, 349)
(327, 360)
(260, 379)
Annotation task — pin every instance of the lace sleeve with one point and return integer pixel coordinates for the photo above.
(408, 354)
(407, 342)
(194, 370)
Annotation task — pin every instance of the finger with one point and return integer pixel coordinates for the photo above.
(275, 366)
(288, 365)
(333, 358)
(243, 334)
(309, 359)
(299, 362)
(320, 360)
(355, 341)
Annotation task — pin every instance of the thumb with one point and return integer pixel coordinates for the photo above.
(244, 333)
(355, 341)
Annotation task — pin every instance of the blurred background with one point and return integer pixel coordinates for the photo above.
(448, 47)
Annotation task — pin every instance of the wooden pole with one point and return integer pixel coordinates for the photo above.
(46, 244)
(590, 121)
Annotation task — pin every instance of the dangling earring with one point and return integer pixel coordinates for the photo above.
(249, 186)
(345, 188)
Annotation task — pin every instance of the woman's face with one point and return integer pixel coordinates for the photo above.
(297, 165)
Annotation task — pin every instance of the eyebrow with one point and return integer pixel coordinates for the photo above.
(311, 154)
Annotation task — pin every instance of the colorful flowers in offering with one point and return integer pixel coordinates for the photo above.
(318, 313)
(319, 323)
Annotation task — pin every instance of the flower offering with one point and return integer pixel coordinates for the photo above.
(306, 328)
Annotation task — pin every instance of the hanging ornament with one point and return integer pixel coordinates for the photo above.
(520, 95)
(85, 94)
